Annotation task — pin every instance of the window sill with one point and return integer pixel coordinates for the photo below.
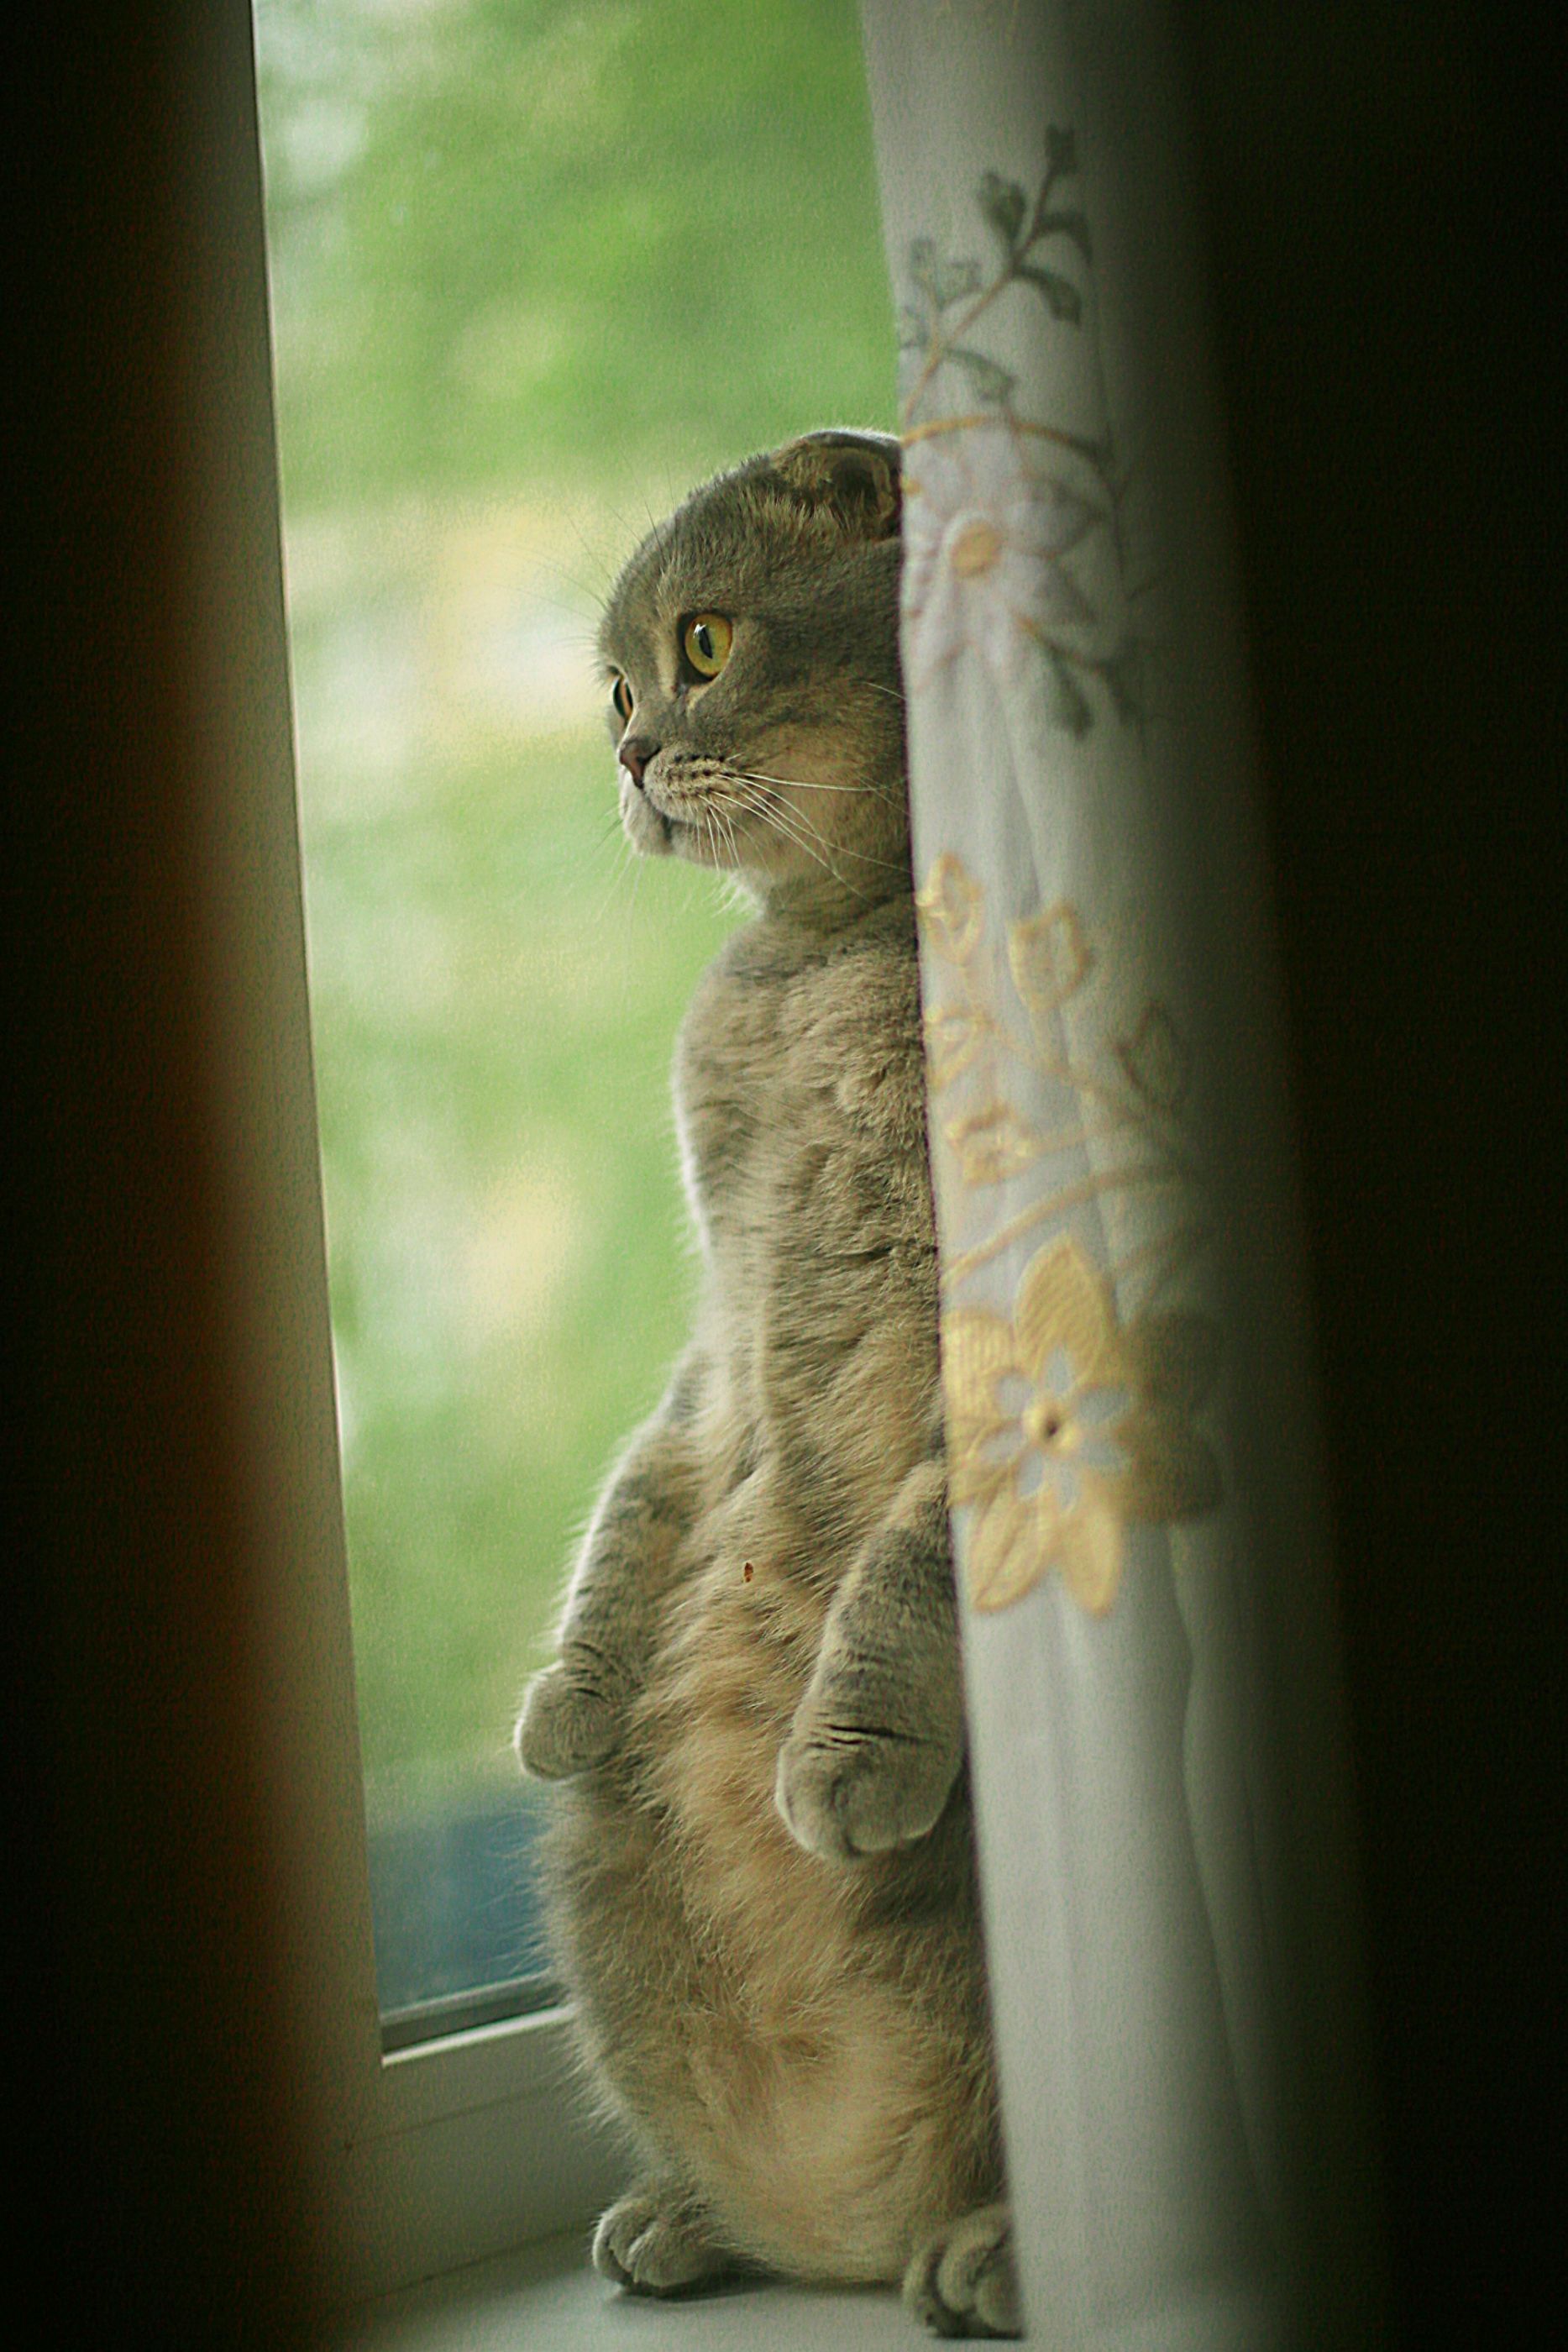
(548, 2297)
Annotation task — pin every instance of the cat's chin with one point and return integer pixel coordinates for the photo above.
(649, 831)
(653, 833)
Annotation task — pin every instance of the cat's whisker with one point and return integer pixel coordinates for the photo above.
(888, 865)
(711, 832)
(733, 864)
(784, 821)
(765, 804)
(731, 871)
(734, 857)
(865, 856)
(617, 872)
(791, 826)
(798, 783)
(586, 589)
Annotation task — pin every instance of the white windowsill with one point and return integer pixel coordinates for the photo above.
(548, 2297)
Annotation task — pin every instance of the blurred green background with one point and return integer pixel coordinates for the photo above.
(535, 270)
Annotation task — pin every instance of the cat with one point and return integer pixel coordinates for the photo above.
(759, 1876)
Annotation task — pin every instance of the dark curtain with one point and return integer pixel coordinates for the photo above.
(1381, 216)
(165, 2145)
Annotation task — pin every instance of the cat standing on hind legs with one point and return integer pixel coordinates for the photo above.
(759, 1873)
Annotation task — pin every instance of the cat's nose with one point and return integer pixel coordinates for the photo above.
(634, 755)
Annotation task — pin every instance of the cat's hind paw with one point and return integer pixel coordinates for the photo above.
(564, 1728)
(844, 1791)
(963, 2280)
(655, 2241)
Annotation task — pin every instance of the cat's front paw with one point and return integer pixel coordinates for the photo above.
(845, 1790)
(565, 1728)
(655, 2241)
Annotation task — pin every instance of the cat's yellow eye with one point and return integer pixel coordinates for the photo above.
(620, 695)
(705, 641)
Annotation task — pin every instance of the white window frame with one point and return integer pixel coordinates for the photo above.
(463, 2146)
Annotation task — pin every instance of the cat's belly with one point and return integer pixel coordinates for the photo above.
(817, 2069)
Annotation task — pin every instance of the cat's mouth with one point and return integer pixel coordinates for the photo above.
(661, 820)
(651, 829)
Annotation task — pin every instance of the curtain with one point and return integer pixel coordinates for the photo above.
(1150, 1656)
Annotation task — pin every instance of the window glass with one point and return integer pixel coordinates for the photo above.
(536, 268)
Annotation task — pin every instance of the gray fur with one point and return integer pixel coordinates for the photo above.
(760, 1871)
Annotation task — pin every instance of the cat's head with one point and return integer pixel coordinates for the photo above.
(750, 653)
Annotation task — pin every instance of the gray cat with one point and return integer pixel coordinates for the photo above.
(760, 1874)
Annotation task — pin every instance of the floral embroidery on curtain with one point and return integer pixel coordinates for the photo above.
(1153, 1726)
(1069, 1421)
(993, 514)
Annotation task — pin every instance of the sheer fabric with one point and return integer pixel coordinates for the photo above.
(1155, 1721)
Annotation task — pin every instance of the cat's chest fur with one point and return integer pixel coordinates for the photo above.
(801, 1104)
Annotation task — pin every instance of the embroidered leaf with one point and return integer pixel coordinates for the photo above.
(1100, 455)
(1123, 672)
(1060, 518)
(1004, 204)
(1174, 1474)
(1070, 706)
(1176, 1356)
(1091, 1556)
(1157, 1059)
(951, 908)
(992, 1144)
(1006, 1555)
(977, 1354)
(941, 283)
(992, 382)
(957, 278)
(953, 1034)
(1062, 299)
(1064, 1305)
(1050, 956)
(913, 327)
(984, 1477)
(1073, 224)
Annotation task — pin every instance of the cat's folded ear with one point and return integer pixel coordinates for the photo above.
(852, 476)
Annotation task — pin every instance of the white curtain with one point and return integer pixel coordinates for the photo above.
(1149, 1643)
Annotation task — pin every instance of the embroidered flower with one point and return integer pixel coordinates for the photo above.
(984, 542)
(1064, 1429)
(993, 1143)
(1157, 1059)
(952, 908)
(1050, 958)
(954, 1035)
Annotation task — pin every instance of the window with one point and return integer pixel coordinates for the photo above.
(534, 270)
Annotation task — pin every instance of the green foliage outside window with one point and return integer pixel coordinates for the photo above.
(537, 267)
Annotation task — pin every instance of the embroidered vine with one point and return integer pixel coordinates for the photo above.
(964, 287)
(991, 519)
(1061, 1095)
(1066, 1423)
